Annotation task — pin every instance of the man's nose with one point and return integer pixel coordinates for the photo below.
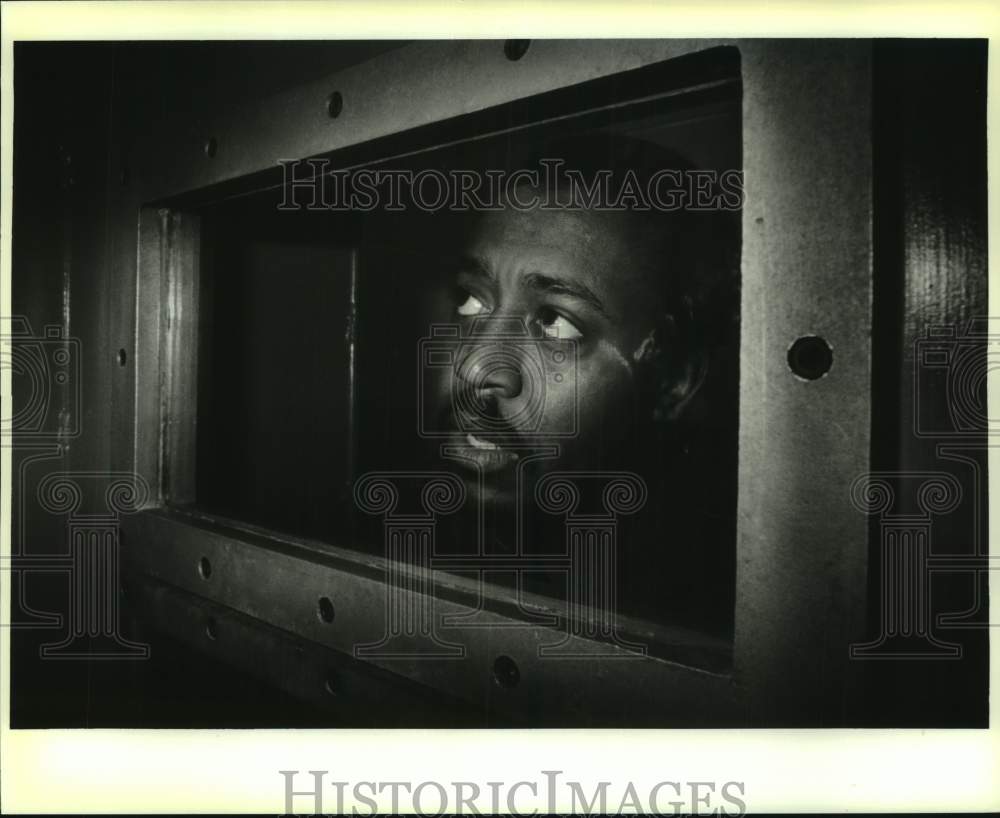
(492, 369)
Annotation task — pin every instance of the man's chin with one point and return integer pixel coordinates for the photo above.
(495, 476)
(489, 492)
(490, 473)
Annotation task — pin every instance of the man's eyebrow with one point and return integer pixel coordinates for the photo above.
(562, 286)
(473, 265)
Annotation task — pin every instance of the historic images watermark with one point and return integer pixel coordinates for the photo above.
(551, 792)
(313, 184)
(952, 367)
(85, 505)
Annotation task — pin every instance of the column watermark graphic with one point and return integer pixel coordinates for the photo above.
(953, 366)
(411, 622)
(592, 553)
(83, 507)
(94, 539)
(905, 627)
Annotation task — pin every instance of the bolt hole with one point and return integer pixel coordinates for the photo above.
(332, 683)
(204, 568)
(334, 104)
(810, 357)
(515, 49)
(211, 147)
(325, 609)
(212, 629)
(505, 672)
(122, 357)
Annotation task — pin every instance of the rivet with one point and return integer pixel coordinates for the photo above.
(515, 49)
(334, 104)
(505, 672)
(332, 683)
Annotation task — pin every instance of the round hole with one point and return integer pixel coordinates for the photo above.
(334, 104)
(211, 147)
(332, 683)
(515, 49)
(810, 357)
(204, 568)
(505, 672)
(211, 629)
(325, 609)
(122, 357)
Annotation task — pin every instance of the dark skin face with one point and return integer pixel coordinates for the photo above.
(575, 282)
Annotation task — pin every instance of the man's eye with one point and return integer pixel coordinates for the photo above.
(471, 306)
(556, 326)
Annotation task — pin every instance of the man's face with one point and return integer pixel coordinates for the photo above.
(575, 286)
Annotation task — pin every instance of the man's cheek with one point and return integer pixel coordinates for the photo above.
(433, 402)
(603, 402)
(575, 421)
(602, 384)
(438, 382)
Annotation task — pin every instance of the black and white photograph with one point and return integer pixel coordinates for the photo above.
(485, 384)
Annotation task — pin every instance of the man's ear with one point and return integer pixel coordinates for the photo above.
(681, 383)
(674, 361)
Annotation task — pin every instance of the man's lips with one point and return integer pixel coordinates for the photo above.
(479, 453)
(481, 443)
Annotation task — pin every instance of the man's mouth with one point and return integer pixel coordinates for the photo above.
(480, 443)
(478, 452)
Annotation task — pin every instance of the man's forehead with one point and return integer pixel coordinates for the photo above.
(511, 243)
(589, 248)
(549, 227)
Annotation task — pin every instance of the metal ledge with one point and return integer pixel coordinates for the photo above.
(281, 587)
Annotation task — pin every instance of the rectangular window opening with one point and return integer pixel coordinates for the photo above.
(582, 357)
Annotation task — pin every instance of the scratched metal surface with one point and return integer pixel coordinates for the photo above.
(807, 270)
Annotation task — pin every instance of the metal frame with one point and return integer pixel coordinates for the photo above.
(802, 548)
